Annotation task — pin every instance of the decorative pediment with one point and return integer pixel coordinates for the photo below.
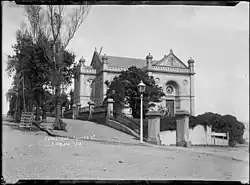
(171, 60)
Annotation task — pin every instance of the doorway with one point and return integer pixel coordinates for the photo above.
(169, 108)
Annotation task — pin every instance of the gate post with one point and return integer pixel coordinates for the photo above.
(78, 105)
(182, 128)
(63, 110)
(110, 107)
(74, 111)
(91, 109)
(154, 119)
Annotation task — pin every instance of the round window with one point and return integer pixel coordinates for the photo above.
(170, 89)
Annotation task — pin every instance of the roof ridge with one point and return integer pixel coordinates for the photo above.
(126, 57)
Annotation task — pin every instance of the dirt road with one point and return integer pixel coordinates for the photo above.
(34, 155)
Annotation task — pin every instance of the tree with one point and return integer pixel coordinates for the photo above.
(221, 124)
(12, 98)
(30, 64)
(124, 89)
(51, 23)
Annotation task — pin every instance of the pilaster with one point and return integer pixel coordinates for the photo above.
(192, 95)
(104, 77)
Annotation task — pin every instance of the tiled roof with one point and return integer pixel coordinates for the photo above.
(126, 62)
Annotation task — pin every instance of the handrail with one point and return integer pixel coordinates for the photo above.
(128, 122)
(126, 117)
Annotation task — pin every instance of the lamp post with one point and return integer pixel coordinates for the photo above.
(142, 88)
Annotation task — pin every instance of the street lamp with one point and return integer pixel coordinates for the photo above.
(142, 88)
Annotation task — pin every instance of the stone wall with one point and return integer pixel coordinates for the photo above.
(68, 114)
(197, 136)
(83, 116)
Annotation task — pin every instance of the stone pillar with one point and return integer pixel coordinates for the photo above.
(91, 109)
(74, 111)
(154, 119)
(78, 109)
(110, 107)
(63, 110)
(182, 128)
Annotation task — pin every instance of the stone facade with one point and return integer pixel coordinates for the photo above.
(175, 77)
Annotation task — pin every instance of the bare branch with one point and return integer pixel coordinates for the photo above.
(33, 15)
(75, 22)
(59, 19)
(51, 15)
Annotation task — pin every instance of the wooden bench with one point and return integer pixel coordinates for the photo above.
(26, 120)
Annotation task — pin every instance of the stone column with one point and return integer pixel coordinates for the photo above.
(154, 119)
(78, 109)
(63, 110)
(74, 111)
(110, 107)
(91, 109)
(182, 128)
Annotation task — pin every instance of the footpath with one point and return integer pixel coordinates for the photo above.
(105, 134)
(93, 132)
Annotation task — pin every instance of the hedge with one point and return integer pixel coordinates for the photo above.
(219, 123)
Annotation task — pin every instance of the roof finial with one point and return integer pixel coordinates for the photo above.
(171, 51)
(96, 50)
(105, 58)
(149, 57)
(190, 60)
(82, 61)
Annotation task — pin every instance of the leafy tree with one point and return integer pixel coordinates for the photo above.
(12, 98)
(124, 89)
(219, 123)
(53, 24)
(30, 64)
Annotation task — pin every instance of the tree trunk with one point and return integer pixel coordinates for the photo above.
(43, 114)
(58, 108)
(37, 115)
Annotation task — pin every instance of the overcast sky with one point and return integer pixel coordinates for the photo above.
(217, 38)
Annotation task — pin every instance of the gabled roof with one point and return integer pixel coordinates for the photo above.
(165, 59)
(95, 54)
(124, 62)
(114, 61)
